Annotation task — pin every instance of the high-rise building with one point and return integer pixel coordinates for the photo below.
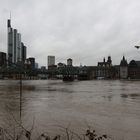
(10, 42)
(14, 45)
(18, 55)
(2, 59)
(51, 60)
(23, 52)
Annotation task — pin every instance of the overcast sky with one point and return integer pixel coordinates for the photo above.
(84, 30)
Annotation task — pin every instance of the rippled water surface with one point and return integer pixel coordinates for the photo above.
(111, 107)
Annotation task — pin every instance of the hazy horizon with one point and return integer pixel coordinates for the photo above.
(86, 31)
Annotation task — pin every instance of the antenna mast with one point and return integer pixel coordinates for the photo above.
(10, 15)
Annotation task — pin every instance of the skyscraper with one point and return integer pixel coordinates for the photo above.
(18, 55)
(10, 42)
(23, 52)
(51, 64)
(14, 45)
(51, 60)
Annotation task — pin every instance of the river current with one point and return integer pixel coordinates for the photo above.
(110, 107)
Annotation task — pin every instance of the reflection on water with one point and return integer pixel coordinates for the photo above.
(111, 107)
(132, 96)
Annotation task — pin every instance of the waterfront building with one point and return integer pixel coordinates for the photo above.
(134, 69)
(51, 60)
(51, 67)
(36, 65)
(32, 62)
(23, 52)
(27, 64)
(105, 69)
(2, 59)
(69, 62)
(123, 68)
(61, 65)
(116, 72)
(86, 72)
(43, 68)
(107, 63)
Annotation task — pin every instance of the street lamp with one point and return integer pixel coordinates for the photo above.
(20, 89)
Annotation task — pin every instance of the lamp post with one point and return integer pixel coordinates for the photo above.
(20, 68)
(20, 94)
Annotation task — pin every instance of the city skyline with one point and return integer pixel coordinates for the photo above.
(84, 31)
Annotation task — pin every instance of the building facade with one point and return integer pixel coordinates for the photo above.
(134, 70)
(69, 62)
(32, 62)
(104, 69)
(2, 59)
(23, 52)
(51, 60)
(123, 68)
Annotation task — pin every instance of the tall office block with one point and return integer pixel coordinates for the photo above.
(51, 60)
(10, 43)
(14, 58)
(18, 55)
(23, 52)
(14, 45)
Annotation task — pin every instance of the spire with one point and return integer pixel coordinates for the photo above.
(10, 15)
(123, 57)
(9, 21)
(123, 61)
(109, 60)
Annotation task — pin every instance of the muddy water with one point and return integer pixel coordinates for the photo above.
(111, 107)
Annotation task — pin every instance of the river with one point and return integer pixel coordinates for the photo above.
(110, 107)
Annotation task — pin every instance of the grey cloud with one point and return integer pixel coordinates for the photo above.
(86, 31)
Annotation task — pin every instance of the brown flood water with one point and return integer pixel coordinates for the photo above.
(110, 107)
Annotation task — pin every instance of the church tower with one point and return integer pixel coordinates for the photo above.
(123, 68)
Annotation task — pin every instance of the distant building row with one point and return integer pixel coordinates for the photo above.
(17, 56)
(17, 51)
(105, 70)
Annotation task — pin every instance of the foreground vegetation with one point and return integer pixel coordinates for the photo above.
(16, 131)
(23, 134)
